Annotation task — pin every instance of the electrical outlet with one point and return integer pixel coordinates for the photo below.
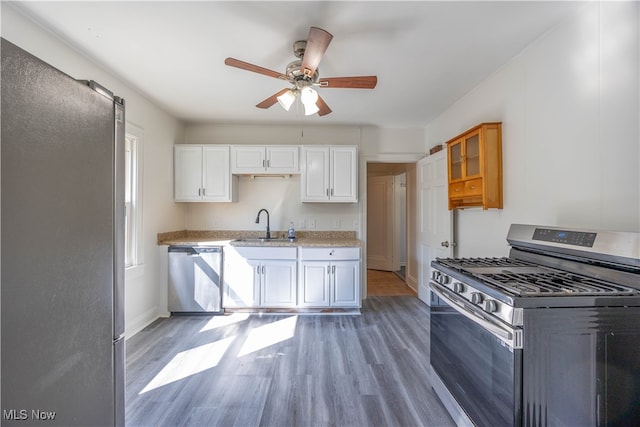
(337, 224)
(312, 224)
(302, 224)
(356, 224)
(214, 223)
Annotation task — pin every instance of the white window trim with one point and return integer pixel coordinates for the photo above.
(136, 269)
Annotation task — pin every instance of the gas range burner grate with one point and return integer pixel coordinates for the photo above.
(461, 264)
(553, 283)
(526, 279)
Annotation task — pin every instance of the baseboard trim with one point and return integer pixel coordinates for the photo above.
(141, 322)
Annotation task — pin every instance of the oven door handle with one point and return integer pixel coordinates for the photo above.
(509, 336)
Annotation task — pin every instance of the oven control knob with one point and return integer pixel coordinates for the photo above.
(435, 275)
(458, 287)
(490, 306)
(476, 298)
(444, 279)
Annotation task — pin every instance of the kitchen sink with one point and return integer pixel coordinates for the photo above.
(262, 239)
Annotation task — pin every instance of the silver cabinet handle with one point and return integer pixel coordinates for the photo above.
(333, 269)
(445, 243)
(332, 191)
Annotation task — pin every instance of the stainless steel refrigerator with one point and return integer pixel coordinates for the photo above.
(62, 254)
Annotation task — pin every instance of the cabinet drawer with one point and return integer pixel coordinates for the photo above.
(254, 252)
(456, 189)
(473, 187)
(329, 253)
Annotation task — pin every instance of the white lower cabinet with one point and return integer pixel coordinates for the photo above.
(260, 277)
(278, 283)
(329, 277)
(286, 277)
(314, 283)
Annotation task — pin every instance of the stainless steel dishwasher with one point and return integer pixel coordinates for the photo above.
(195, 279)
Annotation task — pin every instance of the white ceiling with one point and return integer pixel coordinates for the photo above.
(426, 54)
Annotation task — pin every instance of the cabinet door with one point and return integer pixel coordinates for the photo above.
(187, 173)
(283, 159)
(455, 160)
(345, 287)
(248, 159)
(314, 284)
(471, 155)
(344, 174)
(315, 174)
(241, 282)
(279, 283)
(215, 174)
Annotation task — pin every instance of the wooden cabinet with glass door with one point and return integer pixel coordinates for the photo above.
(475, 168)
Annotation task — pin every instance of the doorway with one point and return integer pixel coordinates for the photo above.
(391, 269)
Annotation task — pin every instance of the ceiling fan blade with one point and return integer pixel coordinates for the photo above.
(232, 62)
(317, 43)
(324, 108)
(271, 100)
(359, 82)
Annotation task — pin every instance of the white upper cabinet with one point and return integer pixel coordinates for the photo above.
(201, 173)
(329, 174)
(260, 159)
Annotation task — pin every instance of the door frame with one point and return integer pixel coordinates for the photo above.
(362, 179)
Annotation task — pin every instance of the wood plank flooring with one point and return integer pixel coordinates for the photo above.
(286, 370)
(386, 283)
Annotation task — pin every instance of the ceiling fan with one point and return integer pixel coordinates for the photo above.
(303, 75)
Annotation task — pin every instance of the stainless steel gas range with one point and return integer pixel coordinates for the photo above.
(547, 336)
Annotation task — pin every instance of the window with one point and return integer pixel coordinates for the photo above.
(133, 195)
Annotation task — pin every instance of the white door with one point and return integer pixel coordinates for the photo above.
(435, 220)
(344, 174)
(345, 289)
(314, 283)
(279, 283)
(187, 172)
(216, 175)
(248, 159)
(380, 222)
(283, 159)
(241, 281)
(315, 174)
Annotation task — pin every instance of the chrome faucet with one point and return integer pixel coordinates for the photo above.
(258, 221)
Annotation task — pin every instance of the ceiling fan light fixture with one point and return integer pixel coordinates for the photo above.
(287, 99)
(308, 96)
(310, 109)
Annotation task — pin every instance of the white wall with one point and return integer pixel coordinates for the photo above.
(161, 131)
(569, 104)
(281, 197)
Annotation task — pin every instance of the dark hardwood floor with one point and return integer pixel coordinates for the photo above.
(286, 370)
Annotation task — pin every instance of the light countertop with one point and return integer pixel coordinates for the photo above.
(229, 237)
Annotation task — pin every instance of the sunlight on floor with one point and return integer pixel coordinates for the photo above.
(219, 321)
(190, 362)
(270, 334)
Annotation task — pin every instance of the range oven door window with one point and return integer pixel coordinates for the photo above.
(481, 372)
